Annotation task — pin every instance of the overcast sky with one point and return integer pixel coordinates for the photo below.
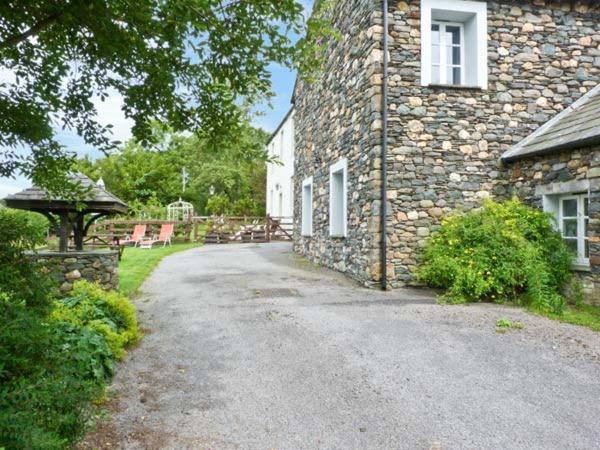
(109, 111)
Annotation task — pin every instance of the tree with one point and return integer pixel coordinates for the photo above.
(234, 169)
(188, 63)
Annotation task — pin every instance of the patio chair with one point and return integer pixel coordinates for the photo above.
(139, 231)
(166, 232)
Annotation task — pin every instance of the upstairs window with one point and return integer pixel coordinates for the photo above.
(447, 53)
(454, 43)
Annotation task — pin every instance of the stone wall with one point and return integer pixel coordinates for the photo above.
(95, 266)
(339, 116)
(569, 172)
(445, 143)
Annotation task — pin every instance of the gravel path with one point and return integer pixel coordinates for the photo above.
(250, 347)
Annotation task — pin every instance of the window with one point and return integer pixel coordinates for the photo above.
(447, 61)
(573, 220)
(337, 198)
(307, 211)
(454, 43)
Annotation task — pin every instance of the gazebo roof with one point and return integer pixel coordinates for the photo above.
(97, 199)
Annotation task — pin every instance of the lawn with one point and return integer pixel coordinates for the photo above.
(138, 263)
(584, 315)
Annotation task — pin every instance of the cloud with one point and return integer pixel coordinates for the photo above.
(110, 112)
(9, 186)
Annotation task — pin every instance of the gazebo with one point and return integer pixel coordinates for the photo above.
(180, 210)
(68, 216)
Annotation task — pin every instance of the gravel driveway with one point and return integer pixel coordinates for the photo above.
(251, 347)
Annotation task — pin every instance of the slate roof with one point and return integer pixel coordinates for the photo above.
(576, 127)
(97, 199)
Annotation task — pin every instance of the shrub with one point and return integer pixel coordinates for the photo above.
(50, 373)
(107, 312)
(21, 231)
(246, 207)
(218, 205)
(503, 251)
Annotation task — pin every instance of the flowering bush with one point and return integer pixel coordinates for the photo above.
(501, 252)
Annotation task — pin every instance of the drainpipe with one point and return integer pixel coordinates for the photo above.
(384, 106)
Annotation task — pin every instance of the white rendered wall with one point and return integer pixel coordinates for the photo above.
(280, 194)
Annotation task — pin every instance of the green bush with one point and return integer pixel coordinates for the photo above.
(107, 312)
(218, 205)
(50, 373)
(21, 231)
(501, 252)
(246, 207)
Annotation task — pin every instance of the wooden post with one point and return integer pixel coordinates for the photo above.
(63, 237)
(78, 232)
(188, 231)
(268, 228)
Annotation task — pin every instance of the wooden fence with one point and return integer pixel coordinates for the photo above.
(207, 229)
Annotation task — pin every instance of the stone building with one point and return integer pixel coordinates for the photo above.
(424, 125)
(557, 168)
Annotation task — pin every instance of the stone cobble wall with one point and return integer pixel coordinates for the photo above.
(445, 143)
(339, 116)
(95, 266)
(569, 172)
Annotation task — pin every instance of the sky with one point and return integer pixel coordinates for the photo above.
(109, 111)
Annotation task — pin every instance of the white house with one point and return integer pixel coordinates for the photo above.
(280, 193)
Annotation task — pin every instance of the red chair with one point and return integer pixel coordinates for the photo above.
(139, 231)
(166, 233)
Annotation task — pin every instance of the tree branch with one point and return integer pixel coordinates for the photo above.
(35, 29)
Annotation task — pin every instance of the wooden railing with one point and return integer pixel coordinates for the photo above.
(207, 229)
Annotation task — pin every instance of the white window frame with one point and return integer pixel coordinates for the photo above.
(443, 65)
(581, 237)
(436, 11)
(334, 170)
(307, 210)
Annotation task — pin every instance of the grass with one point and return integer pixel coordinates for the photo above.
(583, 315)
(138, 263)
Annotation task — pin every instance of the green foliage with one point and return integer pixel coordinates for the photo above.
(149, 177)
(108, 313)
(50, 373)
(218, 205)
(246, 207)
(507, 323)
(21, 231)
(194, 64)
(501, 252)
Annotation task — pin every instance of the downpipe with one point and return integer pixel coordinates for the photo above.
(384, 107)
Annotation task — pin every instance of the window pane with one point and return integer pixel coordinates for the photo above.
(585, 226)
(435, 34)
(435, 54)
(453, 56)
(572, 245)
(569, 208)
(453, 75)
(570, 228)
(452, 35)
(435, 74)
(586, 205)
